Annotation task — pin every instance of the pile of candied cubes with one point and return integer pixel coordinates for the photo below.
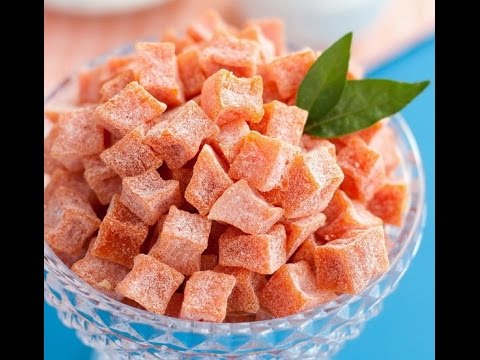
(181, 183)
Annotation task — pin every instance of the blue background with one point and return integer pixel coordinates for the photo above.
(405, 327)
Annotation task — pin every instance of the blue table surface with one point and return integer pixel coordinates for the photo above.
(405, 327)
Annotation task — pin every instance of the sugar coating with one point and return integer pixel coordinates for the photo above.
(150, 283)
(310, 183)
(148, 196)
(348, 264)
(183, 239)
(306, 251)
(101, 178)
(292, 289)
(131, 107)
(205, 25)
(69, 220)
(224, 51)
(130, 156)
(102, 274)
(282, 122)
(266, 46)
(226, 97)
(208, 262)
(178, 138)
(301, 228)
(120, 235)
(209, 180)
(229, 140)
(310, 143)
(190, 71)
(174, 305)
(344, 214)
(262, 161)
(243, 207)
(244, 296)
(113, 86)
(72, 180)
(263, 254)
(158, 72)
(211, 305)
(78, 136)
(363, 167)
(274, 30)
(288, 71)
(389, 202)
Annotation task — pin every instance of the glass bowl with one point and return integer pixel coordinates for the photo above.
(119, 331)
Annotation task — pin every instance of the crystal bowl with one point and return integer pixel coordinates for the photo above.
(119, 331)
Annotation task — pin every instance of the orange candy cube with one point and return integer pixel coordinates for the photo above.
(205, 25)
(363, 167)
(190, 71)
(383, 142)
(158, 72)
(240, 56)
(229, 140)
(301, 228)
(288, 71)
(263, 254)
(274, 30)
(344, 214)
(244, 296)
(120, 235)
(292, 289)
(148, 196)
(208, 182)
(78, 136)
(282, 122)
(178, 138)
(102, 179)
(72, 180)
(131, 107)
(243, 207)
(183, 239)
(130, 156)
(348, 264)
(69, 221)
(113, 86)
(49, 163)
(310, 143)
(201, 305)
(306, 251)
(170, 35)
(255, 33)
(150, 283)
(102, 274)
(226, 98)
(389, 202)
(262, 161)
(310, 183)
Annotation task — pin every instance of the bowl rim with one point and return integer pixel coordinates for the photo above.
(52, 263)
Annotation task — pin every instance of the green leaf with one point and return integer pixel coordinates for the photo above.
(322, 87)
(363, 103)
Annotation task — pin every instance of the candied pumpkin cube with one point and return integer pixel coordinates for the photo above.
(131, 107)
(282, 122)
(243, 207)
(244, 296)
(181, 42)
(178, 138)
(262, 161)
(72, 180)
(158, 72)
(183, 239)
(263, 254)
(309, 143)
(226, 98)
(306, 251)
(229, 140)
(69, 220)
(255, 33)
(348, 264)
(148, 196)
(191, 73)
(130, 156)
(211, 305)
(120, 236)
(102, 179)
(150, 283)
(292, 289)
(209, 180)
(274, 30)
(389, 202)
(206, 25)
(113, 86)
(301, 228)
